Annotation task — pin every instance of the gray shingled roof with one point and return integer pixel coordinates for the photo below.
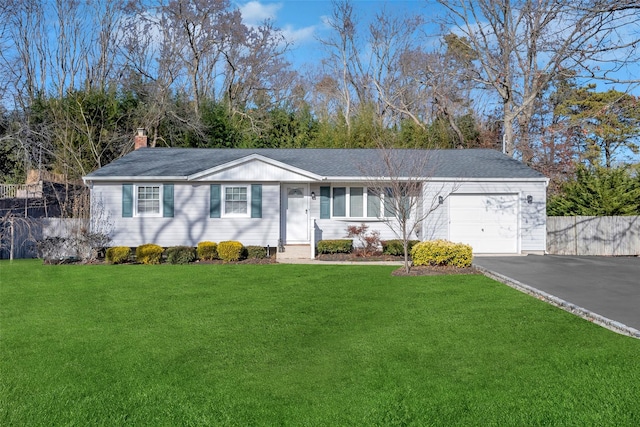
(182, 162)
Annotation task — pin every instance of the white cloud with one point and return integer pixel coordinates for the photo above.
(299, 36)
(254, 12)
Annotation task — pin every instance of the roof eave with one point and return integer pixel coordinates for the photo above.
(433, 178)
(90, 178)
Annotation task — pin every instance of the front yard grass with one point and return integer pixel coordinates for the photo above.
(298, 345)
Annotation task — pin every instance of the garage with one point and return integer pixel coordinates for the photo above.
(487, 222)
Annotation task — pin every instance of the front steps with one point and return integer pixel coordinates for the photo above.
(293, 252)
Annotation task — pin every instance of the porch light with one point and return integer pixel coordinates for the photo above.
(440, 199)
(313, 195)
(529, 199)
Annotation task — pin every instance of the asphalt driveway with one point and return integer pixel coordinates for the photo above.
(607, 286)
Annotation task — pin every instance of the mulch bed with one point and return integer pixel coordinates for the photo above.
(352, 257)
(357, 257)
(422, 270)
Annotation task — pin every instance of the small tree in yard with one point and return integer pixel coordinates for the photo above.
(369, 240)
(12, 226)
(398, 179)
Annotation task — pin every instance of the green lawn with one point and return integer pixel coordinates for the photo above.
(298, 345)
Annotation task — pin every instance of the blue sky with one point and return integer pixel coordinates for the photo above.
(303, 21)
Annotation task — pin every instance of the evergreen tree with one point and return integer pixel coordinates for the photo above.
(608, 122)
(598, 191)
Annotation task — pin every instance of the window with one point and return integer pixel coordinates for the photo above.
(339, 198)
(356, 197)
(373, 204)
(235, 201)
(148, 200)
(362, 202)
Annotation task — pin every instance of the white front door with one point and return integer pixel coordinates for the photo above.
(296, 223)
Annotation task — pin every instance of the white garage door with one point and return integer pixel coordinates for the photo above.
(487, 222)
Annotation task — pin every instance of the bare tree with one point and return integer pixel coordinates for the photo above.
(344, 67)
(402, 180)
(183, 53)
(257, 75)
(107, 27)
(17, 230)
(523, 45)
(396, 67)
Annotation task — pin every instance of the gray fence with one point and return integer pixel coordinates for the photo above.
(18, 237)
(21, 235)
(591, 235)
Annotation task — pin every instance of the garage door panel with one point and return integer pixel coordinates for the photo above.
(487, 222)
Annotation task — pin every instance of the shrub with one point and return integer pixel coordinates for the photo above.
(80, 245)
(180, 254)
(207, 251)
(149, 254)
(394, 247)
(56, 250)
(256, 252)
(338, 246)
(118, 254)
(442, 252)
(369, 241)
(230, 250)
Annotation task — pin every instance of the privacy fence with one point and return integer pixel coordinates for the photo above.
(591, 235)
(18, 236)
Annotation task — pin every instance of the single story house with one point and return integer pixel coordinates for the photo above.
(279, 197)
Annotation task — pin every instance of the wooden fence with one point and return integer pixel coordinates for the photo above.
(20, 191)
(591, 235)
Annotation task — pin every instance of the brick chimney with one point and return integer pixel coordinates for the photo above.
(140, 141)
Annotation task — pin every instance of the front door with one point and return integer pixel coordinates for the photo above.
(296, 229)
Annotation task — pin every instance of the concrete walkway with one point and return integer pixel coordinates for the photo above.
(317, 262)
(605, 290)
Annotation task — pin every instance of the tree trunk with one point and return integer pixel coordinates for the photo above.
(508, 136)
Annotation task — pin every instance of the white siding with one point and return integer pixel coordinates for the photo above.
(255, 170)
(531, 217)
(191, 223)
(336, 228)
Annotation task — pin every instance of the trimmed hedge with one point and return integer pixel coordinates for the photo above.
(149, 254)
(442, 252)
(256, 252)
(180, 254)
(338, 246)
(207, 251)
(230, 250)
(395, 247)
(118, 254)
